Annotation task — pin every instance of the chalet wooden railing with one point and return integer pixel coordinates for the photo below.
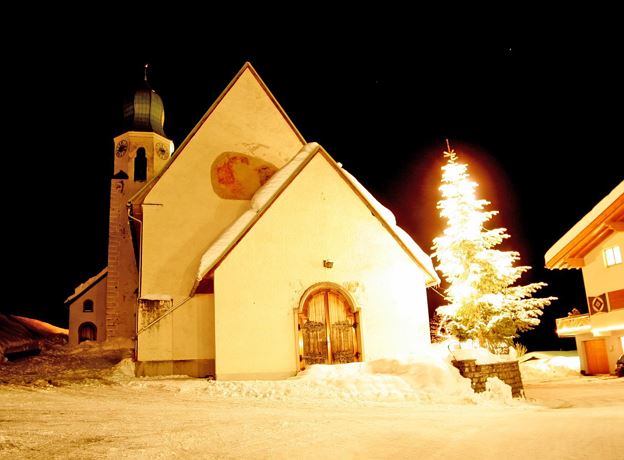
(573, 325)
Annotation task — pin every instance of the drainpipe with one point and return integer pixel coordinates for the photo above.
(136, 304)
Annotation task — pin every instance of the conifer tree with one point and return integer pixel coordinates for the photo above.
(482, 302)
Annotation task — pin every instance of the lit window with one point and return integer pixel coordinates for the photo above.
(612, 256)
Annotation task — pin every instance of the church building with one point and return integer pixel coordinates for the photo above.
(249, 253)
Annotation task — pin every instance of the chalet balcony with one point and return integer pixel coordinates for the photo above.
(573, 325)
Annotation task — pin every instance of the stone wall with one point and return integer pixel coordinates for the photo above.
(508, 372)
(123, 278)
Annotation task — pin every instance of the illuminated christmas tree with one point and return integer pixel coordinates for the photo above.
(483, 304)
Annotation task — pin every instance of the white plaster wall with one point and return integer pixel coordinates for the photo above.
(259, 285)
(614, 349)
(182, 215)
(601, 323)
(186, 333)
(597, 277)
(580, 348)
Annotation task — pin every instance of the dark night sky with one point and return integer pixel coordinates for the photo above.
(533, 115)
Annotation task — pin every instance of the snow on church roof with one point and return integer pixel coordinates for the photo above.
(266, 194)
(87, 284)
(262, 196)
(390, 219)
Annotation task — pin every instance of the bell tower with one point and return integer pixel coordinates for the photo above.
(140, 152)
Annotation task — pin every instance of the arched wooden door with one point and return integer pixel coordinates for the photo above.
(328, 329)
(87, 331)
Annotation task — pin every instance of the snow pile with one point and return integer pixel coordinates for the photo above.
(421, 378)
(540, 366)
(497, 390)
(123, 370)
(481, 355)
(428, 378)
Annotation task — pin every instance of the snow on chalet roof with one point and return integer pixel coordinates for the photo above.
(567, 241)
(86, 285)
(269, 191)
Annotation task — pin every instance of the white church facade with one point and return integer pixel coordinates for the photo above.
(249, 253)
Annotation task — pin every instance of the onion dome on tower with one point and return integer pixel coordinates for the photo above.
(144, 110)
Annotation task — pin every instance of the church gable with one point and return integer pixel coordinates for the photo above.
(244, 133)
(237, 146)
(317, 215)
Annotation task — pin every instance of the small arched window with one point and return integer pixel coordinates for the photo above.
(87, 331)
(140, 165)
(87, 306)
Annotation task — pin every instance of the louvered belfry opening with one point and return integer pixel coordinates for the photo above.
(328, 329)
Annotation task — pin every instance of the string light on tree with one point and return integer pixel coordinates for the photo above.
(482, 302)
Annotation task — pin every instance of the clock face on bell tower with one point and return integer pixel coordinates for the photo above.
(122, 148)
(161, 151)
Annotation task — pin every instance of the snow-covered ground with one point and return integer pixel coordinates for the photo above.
(412, 408)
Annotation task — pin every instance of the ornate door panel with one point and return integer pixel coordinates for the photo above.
(314, 329)
(328, 329)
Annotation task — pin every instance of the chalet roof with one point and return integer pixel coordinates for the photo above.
(87, 284)
(271, 190)
(606, 218)
(140, 195)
